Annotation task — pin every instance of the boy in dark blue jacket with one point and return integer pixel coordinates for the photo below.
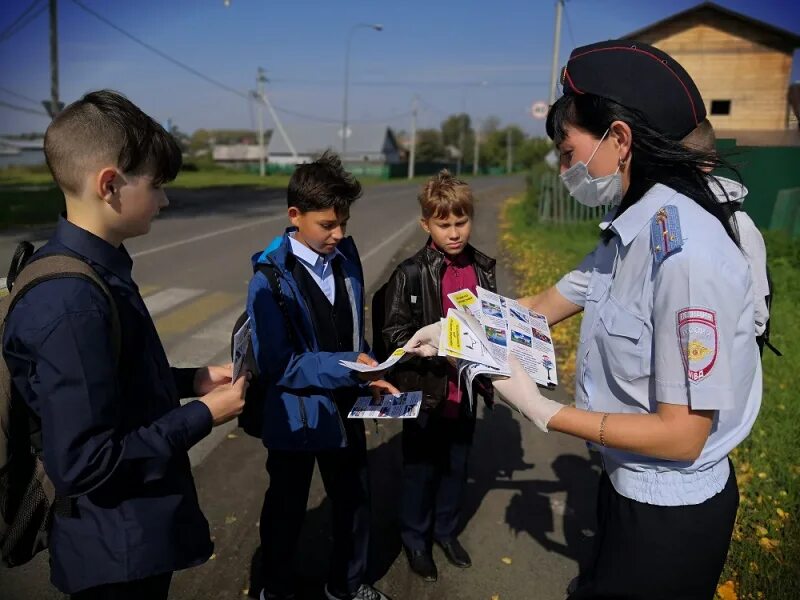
(114, 434)
(314, 319)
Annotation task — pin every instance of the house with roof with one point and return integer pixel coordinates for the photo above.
(368, 144)
(21, 152)
(741, 65)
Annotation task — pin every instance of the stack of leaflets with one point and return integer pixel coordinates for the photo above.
(389, 406)
(243, 357)
(486, 328)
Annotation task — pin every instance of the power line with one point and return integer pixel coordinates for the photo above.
(24, 109)
(408, 83)
(25, 12)
(20, 24)
(20, 96)
(159, 52)
(569, 26)
(434, 108)
(194, 71)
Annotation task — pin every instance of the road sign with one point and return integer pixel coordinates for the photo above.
(539, 109)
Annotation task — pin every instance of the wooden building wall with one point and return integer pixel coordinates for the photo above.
(731, 61)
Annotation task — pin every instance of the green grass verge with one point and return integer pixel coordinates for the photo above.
(765, 554)
(765, 550)
(29, 206)
(28, 196)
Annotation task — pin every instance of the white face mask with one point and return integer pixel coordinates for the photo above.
(593, 192)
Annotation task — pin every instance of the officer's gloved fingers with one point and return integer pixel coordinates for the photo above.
(425, 342)
(522, 393)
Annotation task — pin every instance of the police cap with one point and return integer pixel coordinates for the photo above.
(640, 77)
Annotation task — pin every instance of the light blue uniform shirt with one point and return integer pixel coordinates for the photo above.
(319, 267)
(678, 331)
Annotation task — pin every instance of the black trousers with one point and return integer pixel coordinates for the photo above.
(346, 479)
(151, 588)
(435, 456)
(652, 552)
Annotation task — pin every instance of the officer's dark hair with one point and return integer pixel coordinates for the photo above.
(105, 128)
(322, 184)
(656, 159)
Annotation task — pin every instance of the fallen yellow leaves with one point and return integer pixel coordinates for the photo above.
(506, 560)
(768, 544)
(727, 591)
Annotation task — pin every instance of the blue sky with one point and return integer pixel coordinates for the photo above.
(440, 50)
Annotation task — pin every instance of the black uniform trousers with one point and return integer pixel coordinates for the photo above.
(435, 455)
(151, 588)
(346, 479)
(648, 552)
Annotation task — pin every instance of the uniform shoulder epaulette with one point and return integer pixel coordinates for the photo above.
(665, 233)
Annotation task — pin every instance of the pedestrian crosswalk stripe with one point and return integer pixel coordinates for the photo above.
(148, 290)
(209, 344)
(167, 299)
(191, 315)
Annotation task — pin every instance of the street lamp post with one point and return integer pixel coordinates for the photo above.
(376, 27)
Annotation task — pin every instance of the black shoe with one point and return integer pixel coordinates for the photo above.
(456, 554)
(421, 562)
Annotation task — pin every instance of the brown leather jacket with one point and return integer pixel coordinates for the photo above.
(428, 375)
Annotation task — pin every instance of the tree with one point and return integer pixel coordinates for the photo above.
(532, 151)
(453, 127)
(429, 145)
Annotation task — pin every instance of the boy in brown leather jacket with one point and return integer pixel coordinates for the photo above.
(436, 445)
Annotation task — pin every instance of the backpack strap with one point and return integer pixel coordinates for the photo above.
(59, 266)
(21, 255)
(763, 339)
(270, 271)
(414, 286)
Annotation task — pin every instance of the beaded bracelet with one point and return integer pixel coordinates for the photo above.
(603, 429)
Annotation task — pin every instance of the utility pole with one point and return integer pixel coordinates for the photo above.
(556, 46)
(412, 157)
(261, 79)
(54, 59)
(264, 101)
(477, 151)
(509, 152)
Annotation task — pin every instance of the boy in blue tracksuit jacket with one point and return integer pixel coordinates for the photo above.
(303, 329)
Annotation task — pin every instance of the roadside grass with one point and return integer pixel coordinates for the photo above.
(764, 557)
(28, 196)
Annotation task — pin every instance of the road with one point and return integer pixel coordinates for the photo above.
(529, 510)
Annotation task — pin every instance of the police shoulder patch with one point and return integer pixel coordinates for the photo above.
(698, 340)
(665, 232)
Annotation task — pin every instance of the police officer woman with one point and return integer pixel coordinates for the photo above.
(668, 377)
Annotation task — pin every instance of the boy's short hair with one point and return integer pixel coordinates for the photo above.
(702, 138)
(322, 184)
(105, 128)
(443, 195)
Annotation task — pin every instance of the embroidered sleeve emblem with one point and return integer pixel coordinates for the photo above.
(698, 339)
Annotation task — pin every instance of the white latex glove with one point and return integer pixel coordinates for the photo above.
(426, 341)
(522, 393)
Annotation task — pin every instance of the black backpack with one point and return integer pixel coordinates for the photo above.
(252, 418)
(414, 287)
(27, 496)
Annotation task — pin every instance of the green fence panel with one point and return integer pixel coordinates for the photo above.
(765, 171)
(786, 213)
